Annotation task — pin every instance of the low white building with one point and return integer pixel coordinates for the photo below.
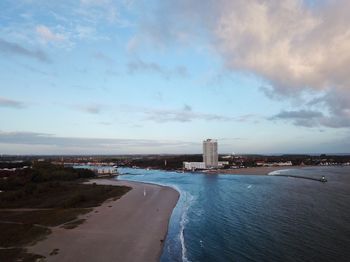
(105, 170)
(201, 165)
(193, 165)
(100, 170)
(287, 163)
(223, 163)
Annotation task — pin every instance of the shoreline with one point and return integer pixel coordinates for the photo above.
(132, 228)
(239, 171)
(259, 171)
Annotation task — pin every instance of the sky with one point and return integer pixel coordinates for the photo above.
(160, 76)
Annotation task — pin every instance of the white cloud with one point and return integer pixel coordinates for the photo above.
(183, 115)
(292, 46)
(186, 114)
(139, 65)
(47, 35)
(286, 43)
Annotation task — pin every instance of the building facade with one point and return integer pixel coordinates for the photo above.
(193, 165)
(210, 153)
(210, 157)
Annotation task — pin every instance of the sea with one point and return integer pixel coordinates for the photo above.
(256, 217)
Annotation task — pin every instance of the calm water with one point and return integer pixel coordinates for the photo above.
(256, 218)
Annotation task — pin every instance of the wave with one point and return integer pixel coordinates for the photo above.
(278, 172)
(184, 204)
(188, 200)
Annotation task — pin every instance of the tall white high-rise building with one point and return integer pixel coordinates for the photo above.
(210, 153)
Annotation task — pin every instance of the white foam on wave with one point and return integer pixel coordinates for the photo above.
(278, 172)
(249, 186)
(188, 199)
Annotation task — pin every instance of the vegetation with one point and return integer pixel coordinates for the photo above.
(48, 195)
(18, 254)
(21, 234)
(41, 172)
(59, 195)
(174, 162)
(168, 162)
(50, 217)
(14, 164)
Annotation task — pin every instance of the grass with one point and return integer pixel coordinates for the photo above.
(57, 189)
(18, 254)
(60, 195)
(53, 217)
(65, 200)
(18, 235)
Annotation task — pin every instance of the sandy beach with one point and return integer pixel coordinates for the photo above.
(252, 170)
(132, 228)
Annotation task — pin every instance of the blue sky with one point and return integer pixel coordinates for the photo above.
(114, 77)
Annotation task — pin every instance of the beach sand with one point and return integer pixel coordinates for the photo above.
(131, 228)
(252, 170)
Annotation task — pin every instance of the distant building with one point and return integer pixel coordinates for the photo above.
(193, 165)
(99, 170)
(287, 163)
(210, 157)
(210, 153)
(263, 163)
(201, 165)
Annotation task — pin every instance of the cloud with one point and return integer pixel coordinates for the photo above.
(5, 102)
(310, 118)
(62, 23)
(36, 70)
(103, 58)
(291, 45)
(140, 66)
(42, 143)
(186, 114)
(306, 118)
(108, 10)
(302, 114)
(10, 48)
(47, 35)
(247, 117)
(91, 109)
(183, 114)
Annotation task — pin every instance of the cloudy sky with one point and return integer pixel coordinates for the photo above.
(159, 76)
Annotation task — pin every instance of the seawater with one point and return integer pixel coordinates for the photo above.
(256, 218)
